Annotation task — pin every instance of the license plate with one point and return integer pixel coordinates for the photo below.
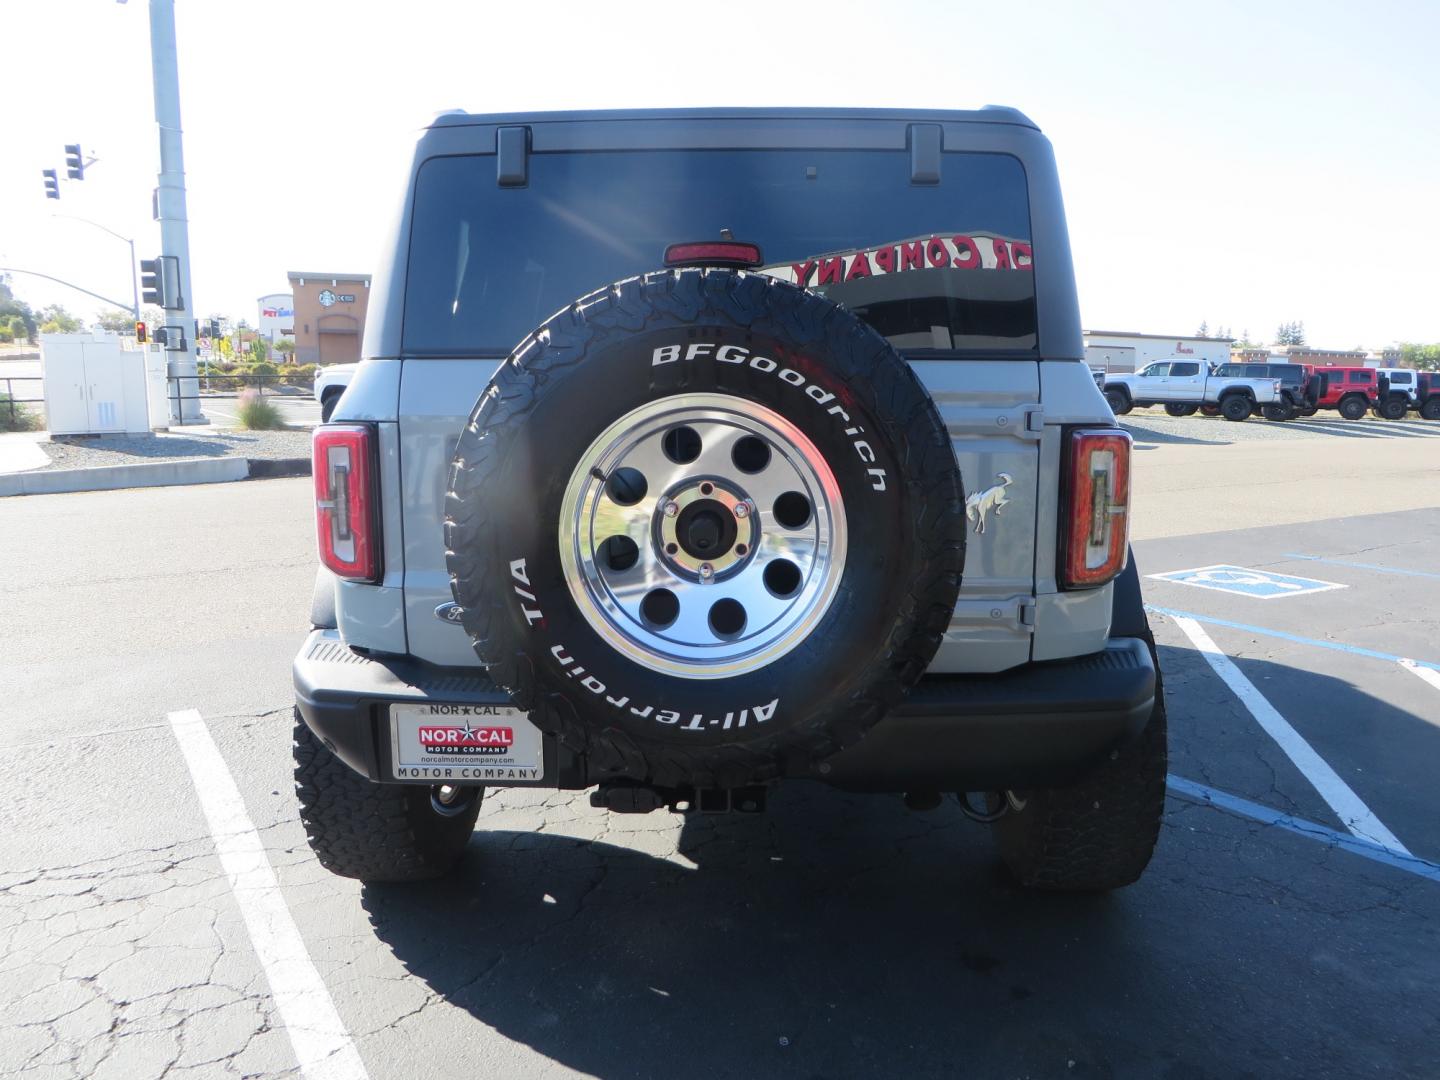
(483, 744)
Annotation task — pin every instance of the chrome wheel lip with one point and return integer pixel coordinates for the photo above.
(818, 547)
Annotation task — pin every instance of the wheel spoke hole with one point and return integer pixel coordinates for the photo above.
(727, 618)
(782, 578)
(626, 486)
(618, 553)
(791, 510)
(660, 608)
(750, 454)
(681, 445)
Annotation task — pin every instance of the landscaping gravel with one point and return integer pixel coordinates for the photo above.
(88, 452)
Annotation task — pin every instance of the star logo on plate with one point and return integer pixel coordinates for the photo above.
(468, 733)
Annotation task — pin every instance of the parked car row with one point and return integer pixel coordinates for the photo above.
(1278, 392)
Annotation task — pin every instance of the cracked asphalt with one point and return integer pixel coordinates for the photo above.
(835, 936)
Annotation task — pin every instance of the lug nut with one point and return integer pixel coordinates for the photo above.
(742, 509)
(706, 571)
(671, 509)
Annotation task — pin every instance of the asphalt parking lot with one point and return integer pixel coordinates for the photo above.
(1287, 928)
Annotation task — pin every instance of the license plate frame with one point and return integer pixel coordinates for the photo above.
(435, 742)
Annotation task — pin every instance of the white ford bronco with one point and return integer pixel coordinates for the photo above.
(699, 451)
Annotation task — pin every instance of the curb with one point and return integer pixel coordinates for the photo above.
(151, 474)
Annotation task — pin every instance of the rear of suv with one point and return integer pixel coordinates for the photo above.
(699, 451)
(1350, 391)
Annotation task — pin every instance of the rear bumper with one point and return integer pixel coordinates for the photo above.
(1037, 725)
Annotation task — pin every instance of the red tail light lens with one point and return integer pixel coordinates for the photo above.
(714, 253)
(345, 506)
(1099, 520)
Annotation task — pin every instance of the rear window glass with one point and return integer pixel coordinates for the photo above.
(1288, 372)
(1400, 377)
(944, 266)
(1184, 369)
(1362, 376)
(1228, 371)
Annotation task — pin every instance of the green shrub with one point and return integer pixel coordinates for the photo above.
(21, 420)
(251, 372)
(258, 414)
(299, 374)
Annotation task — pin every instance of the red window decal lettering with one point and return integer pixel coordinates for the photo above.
(832, 271)
(912, 256)
(967, 255)
(1002, 254)
(1024, 257)
(885, 259)
(937, 252)
(803, 272)
(859, 267)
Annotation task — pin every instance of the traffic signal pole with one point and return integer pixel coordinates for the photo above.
(170, 204)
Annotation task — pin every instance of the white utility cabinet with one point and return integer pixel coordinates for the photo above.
(93, 386)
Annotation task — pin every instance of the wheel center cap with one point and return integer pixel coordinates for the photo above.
(704, 529)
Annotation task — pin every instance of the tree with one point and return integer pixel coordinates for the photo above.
(115, 320)
(56, 320)
(1424, 357)
(1291, 333)
(10, 309)
(286, 348)
(1204, 330)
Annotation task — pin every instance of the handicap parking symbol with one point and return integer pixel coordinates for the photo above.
(1259, 584)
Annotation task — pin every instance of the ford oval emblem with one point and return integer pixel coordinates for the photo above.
(449, 612)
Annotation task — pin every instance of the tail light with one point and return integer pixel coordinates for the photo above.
(715, 253)
(1096, 542)
(345, 504)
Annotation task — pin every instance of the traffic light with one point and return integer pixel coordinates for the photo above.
(160, 281)
(140, 332)
(52, 184)
(214, 328)
(74, 162)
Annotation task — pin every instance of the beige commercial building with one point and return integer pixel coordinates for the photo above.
(329, 316)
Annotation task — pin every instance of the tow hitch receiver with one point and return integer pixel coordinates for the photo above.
(625, 798)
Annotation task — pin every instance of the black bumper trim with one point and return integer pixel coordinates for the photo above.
(1035, 725)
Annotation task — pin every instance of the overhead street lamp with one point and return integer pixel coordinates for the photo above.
(134, 285)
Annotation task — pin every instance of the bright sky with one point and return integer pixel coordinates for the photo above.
(1246, 163)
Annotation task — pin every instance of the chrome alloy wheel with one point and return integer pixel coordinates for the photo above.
(702, 535)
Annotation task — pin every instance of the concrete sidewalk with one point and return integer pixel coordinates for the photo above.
(19, 452)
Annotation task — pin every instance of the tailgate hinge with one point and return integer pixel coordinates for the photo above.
(1035, 420)
(1026, 613)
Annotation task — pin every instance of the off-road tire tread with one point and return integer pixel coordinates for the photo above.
(1100, 833)
(745, 300)
(373, 832)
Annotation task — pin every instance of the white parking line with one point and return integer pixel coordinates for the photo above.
(322, 1045)
(1430, 675)
(1352, 811)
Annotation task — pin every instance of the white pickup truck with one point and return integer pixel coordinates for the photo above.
(1182, 386)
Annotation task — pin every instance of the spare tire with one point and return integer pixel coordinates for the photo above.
(705, 527)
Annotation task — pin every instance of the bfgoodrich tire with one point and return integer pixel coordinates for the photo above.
(602, 616)
(1100, 833)
(377, 832)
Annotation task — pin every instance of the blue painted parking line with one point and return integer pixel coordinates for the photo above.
(1363, 566)
(1243, 581)
(1299, 639)
(1190, 791)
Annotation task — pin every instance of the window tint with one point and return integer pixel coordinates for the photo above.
(1256, 371)
(1228, 371)
(1155, 370)
(1288, 372)
(1185, 369)
(930, 266)
(1362, 376)
(1401, 378)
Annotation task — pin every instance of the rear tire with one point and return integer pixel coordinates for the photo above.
(1352, 408)
(328, 403)
(1279, 412)
(1176, 409)
(1431, 409)
(1119, 403)
(1209, 410)
(1235, 408)
(1391, 409)
(1100, 833)
(376, 832)
(1309, 410)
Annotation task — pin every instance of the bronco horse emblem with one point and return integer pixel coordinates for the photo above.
(983, 502)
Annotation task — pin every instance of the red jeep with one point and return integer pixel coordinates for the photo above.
(1352, 391)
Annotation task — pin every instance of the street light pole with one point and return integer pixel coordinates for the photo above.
(170, 199)
(134, 281)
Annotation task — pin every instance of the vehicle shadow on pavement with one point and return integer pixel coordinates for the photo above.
(844, 936)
